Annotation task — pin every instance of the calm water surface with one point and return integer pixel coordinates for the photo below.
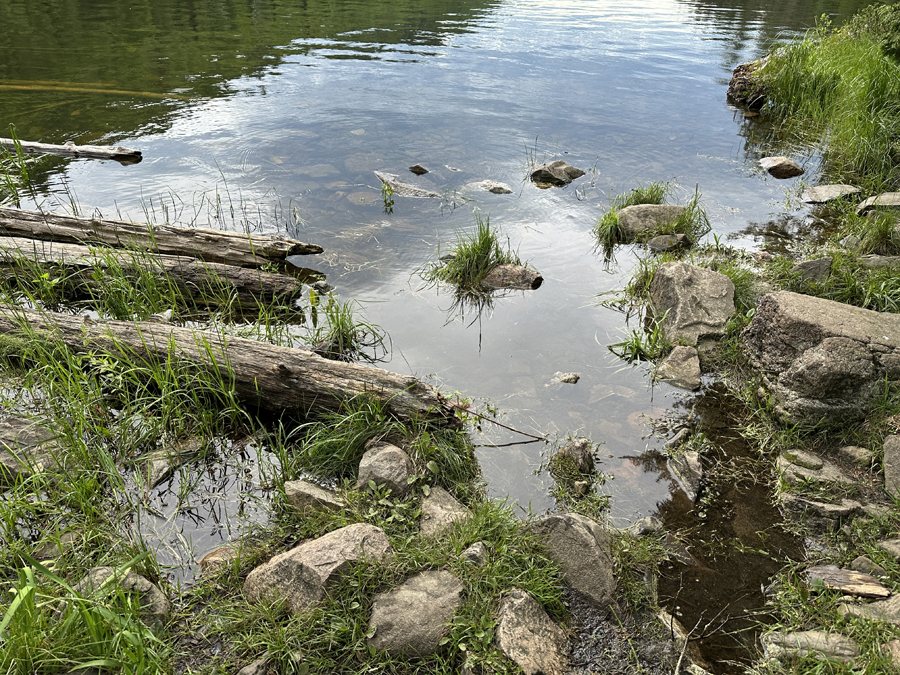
(283, 110)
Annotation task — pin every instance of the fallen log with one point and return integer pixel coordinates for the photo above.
(261, 375)
(228, 248)
(204, 281)
(69, 149)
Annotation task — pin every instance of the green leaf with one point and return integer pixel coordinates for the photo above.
(426, 490)
(432, 467)
(372, 485)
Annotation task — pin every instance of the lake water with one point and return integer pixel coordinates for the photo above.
(282, 110)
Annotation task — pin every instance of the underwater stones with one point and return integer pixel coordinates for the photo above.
(517, 277)
(385, 465)
(681, 368)
(492, 186)
(892, 465)
(567, 378)
(402, 189)
(884, 200)
(820, 358)
(781, 167)
(640, 219)
(786, 646)
(556, 173)
(159, 464)
(301, 575)
(26, 447)
(583, 549)
(411, 619)
(528, 637)
(155, 606)
(692, 302)
(688, 469)
(822, 194)
(439, 512)
(305, 496)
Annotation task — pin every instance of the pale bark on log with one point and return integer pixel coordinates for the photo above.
(228, 248)
(204, 281)
(262, 375)
(116, 152)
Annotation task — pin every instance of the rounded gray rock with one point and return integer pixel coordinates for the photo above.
(385, 465)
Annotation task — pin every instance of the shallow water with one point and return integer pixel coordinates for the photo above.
(281, 111)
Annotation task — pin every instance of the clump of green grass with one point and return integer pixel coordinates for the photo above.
(343, 336)
(644, 345)
(841, 88)
(472, 258)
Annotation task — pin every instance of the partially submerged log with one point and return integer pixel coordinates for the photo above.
(116, 152)
(228, 248)
(262, 375)
(204, 281)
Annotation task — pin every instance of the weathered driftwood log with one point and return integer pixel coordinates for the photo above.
(261, 375)
(116, 152)
(204, 281)
(228, 248)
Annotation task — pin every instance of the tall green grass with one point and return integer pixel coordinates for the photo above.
(841, 89)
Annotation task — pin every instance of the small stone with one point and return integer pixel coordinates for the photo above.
(817, 270)
(556, 173)
(580, 453)
(819, 517)
(681, 368)
(567, 378)
(217, 559)
(162, 317)
(683, 434)
(515, 277)
(799, 465)
(54, 549)
(439, 512)
(528, 637)
(155, 606)
(477, 554)
(305, 496)
(891, 546)
(668, 242)
(26, 447)
(892, 649)
(645, 526)
(892, 465)
(851, 242)
(418, 169)
(385, 465)
(781, 167)
(492, 186)
(687, 468)
(866, 566)
(262, 666)
(322, 287)
(857, 456)
(822, 194)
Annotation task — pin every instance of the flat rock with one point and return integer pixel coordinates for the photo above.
(305, 496)
(387, 466)
(892, 465)
(857, 456)
(529, 637)
(820, 358)
(402, 189)
(891, 546)
(491, 186)
(301, 575)
(884, 200)
(692, 302)
(159, 464)
(556, 173)
(886, 611)
(26, 447)
(878, 261)
(516, 277)
(687, 468)
(580, 453)
(819, 517)
(866, 566)
(668, 242)
(781, 167)
(681, 368)
(583, 549)
(817, 270)
(411, 619)
(786, 646)
(640, 219)
(440, 510)
(822, 194)
(849, 582)
(155, 606)
(800, 465)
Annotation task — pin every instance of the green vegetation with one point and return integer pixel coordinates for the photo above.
(841, 88)
(472, 258)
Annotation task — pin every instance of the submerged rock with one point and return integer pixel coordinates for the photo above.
(492, 186)
(821, 358)
(692, 302)
(556, 173)
(638, 220)
(411, 619)
(529, 637)
(517, 277)
(567, 378)
(822, 194)
(744, 88)
(418, 169)
(781, 167)
(402, 189)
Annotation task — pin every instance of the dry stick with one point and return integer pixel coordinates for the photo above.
(499, 424)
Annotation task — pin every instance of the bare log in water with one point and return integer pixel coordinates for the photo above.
(204, 281)
(262, 375)
(228, 248)
(116, 152)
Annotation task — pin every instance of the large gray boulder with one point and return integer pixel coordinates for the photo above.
(557, 173)
(529, 637)
(819, 358)
(411, 619)
(385, 465)
(26, 447)
(640, 219)
(301, 575)
(693, 302)
(583, 549)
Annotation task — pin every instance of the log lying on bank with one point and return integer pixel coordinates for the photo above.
(204, 281)
(219, 246)
(264, 376)
(116, 152)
